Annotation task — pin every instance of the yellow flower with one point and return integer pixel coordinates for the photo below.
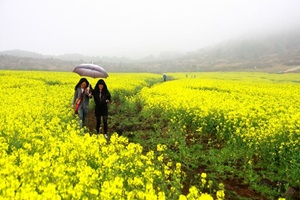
(220, 194)
(206, 197)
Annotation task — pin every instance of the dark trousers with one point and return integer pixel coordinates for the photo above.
(104, 123)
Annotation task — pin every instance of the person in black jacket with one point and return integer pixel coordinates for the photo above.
(102, 98)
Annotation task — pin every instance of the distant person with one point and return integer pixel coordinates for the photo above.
(165, 77)
(102, 98)
(81, 99)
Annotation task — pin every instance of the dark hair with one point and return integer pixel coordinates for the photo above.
(101, 82)
(81, 81)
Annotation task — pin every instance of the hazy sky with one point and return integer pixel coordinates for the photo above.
(136, 28)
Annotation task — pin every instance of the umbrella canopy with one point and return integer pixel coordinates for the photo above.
(90, 70)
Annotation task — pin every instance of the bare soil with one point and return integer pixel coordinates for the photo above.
(234, 188)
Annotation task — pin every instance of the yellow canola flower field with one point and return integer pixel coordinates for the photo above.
(256, 110)
(45, 155)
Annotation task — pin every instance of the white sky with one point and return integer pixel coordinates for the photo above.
(136, 28)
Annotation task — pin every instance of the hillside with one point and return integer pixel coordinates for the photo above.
(269, 53)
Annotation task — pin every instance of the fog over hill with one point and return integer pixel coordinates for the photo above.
(263, 52)
(270, 53)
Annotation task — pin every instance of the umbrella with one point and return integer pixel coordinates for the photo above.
(91, 70)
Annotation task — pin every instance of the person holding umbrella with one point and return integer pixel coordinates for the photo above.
(102, 98)
(81, 99)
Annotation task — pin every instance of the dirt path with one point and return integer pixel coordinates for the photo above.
(91, 120)
(235, 189)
